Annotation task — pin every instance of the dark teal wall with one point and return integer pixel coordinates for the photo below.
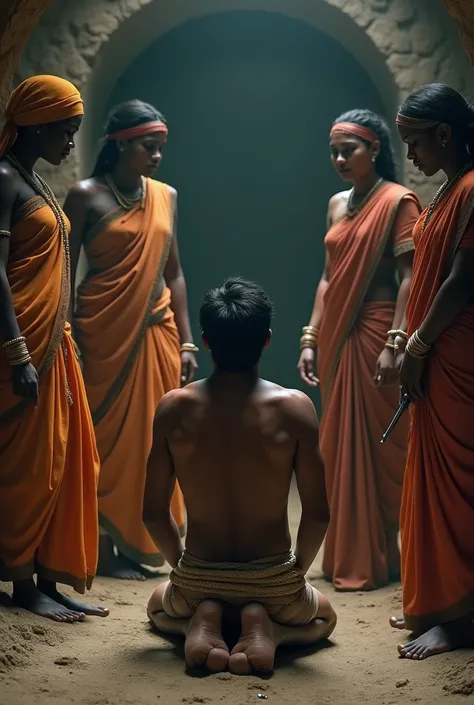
(250, 97)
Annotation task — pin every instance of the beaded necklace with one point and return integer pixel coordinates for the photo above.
(352, 209)
(441, 193)
(40, 187)
(127, 202)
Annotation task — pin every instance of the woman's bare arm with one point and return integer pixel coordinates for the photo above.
(8, 324)
(76, 208)
(176, 282)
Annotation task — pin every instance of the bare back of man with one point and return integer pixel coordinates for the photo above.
(233, 442)
(233, 448)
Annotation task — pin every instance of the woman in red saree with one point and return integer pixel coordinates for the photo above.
(131, 323)
(359, 302)
(437, 373)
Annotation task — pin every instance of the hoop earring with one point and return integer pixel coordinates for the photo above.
(444, 143)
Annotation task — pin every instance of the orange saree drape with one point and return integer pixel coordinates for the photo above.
(363, 478)
(437, 515)
(48, 458)
(130, 350)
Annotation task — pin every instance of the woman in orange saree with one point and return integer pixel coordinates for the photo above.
(130, 322)
(437, 373)
(48, 458)
(358, 305)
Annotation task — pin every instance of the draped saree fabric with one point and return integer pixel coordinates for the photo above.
(437, 515)
(48, 458)
(130, 349)
(364, 479)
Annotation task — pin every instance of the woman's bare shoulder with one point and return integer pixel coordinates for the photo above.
(337, 207)
(339, 198)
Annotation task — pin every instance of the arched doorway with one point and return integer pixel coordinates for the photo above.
(250, 97)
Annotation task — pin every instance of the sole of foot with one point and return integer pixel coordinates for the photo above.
(204, 645)
(255, 650)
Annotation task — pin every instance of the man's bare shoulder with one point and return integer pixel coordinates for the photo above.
(293, 403)
(177, 399)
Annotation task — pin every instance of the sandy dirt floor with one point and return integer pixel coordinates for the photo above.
(120, 661)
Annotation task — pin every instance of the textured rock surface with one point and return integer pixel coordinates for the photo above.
(463, 13)
(418, 41)
(17, 18)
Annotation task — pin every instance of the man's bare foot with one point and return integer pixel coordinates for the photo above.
(255, 650)
(440, 640)
(205, 645)
(397, 622)
(112, 566)
(27, 596)
(49, 589)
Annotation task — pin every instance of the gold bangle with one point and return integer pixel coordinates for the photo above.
(310, 329)
(399, 332)
(392, 346)
(21, 361)
(416, 348)
(188, 347)
(17, 352)
(307, 342)
(14, 341)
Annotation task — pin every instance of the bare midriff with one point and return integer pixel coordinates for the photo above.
(383, 286)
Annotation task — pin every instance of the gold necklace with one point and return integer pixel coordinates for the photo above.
(441, 193)
(352, 210)
(127, 202)
(40, 187)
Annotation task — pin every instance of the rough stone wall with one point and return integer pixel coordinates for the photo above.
(17, 18)
(418, 41)
(463, 12)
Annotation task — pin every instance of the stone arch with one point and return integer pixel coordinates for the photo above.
(401, 45)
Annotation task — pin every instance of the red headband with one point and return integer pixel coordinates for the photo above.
(415, 123)
(147, 128)
(351, 128)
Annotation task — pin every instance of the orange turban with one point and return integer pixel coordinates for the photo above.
(37, 101)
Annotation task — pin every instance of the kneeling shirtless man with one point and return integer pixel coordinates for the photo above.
(233, 442)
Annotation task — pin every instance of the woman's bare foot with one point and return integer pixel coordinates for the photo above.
(397, 622)
(49, 589)
(255, 650)
(27, 596)
(440, 640)
(205, 645)
(112, 566)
